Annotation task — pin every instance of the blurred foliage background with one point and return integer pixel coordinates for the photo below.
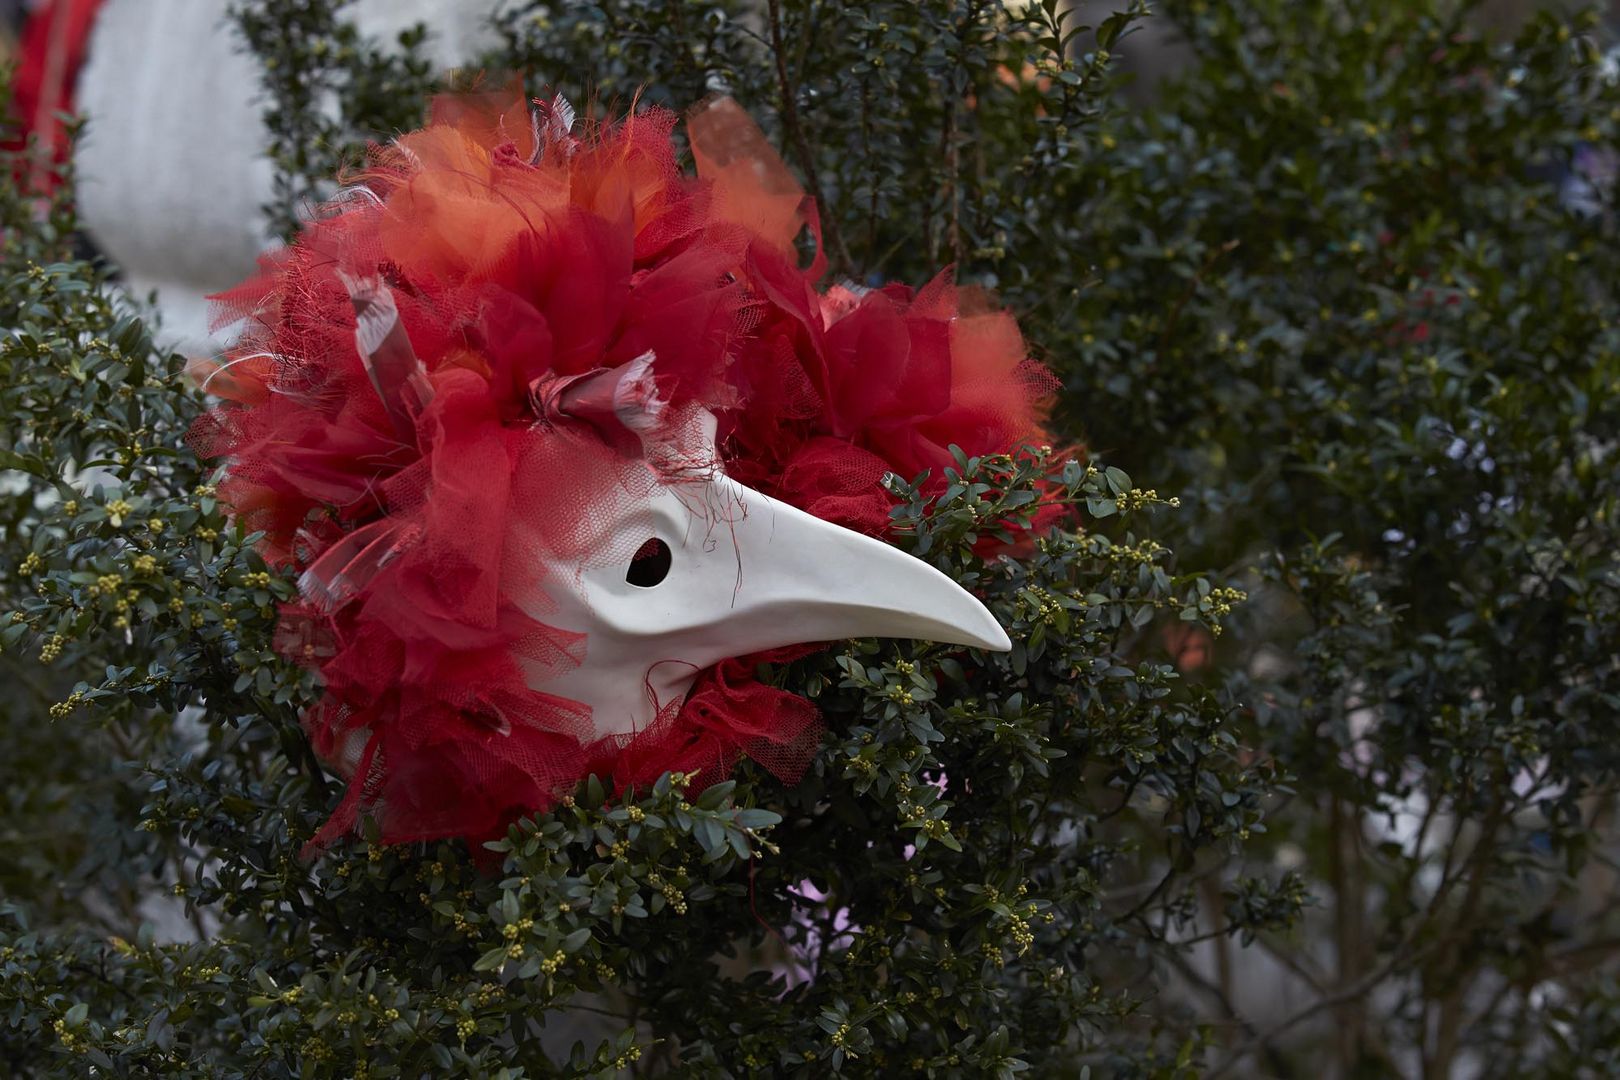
(1345, 288)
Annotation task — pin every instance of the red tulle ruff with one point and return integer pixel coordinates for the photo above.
(516, 250)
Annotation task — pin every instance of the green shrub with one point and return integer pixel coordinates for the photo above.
(1331, 290)
(1352, 313)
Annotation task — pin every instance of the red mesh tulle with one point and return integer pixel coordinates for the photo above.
(517, 252)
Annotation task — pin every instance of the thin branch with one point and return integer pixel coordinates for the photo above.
(24, 675)
(1275, 1061)
(1153, 894)
(1402, 956)
(795, 134)
(1346, 994)
(1314, 979)
(1210, 888)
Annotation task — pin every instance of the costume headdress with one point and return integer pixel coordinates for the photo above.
(554, 433)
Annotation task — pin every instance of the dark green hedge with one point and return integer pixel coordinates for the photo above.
(1346, 290)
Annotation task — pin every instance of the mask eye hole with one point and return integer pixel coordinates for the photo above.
(650, 564)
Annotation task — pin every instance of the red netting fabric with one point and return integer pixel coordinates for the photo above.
(519, 252)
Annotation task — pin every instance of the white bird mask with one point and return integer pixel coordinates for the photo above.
(722, 571)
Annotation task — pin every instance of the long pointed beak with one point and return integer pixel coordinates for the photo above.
(803, 579)
(746, 573)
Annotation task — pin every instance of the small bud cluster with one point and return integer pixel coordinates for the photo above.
(62, 709)
(52, 649)
(69, 1038)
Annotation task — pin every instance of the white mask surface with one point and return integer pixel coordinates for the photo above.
(727, 571)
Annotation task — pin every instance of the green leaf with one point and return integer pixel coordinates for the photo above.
(716, 795)
(491, 960)
(756, 818)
